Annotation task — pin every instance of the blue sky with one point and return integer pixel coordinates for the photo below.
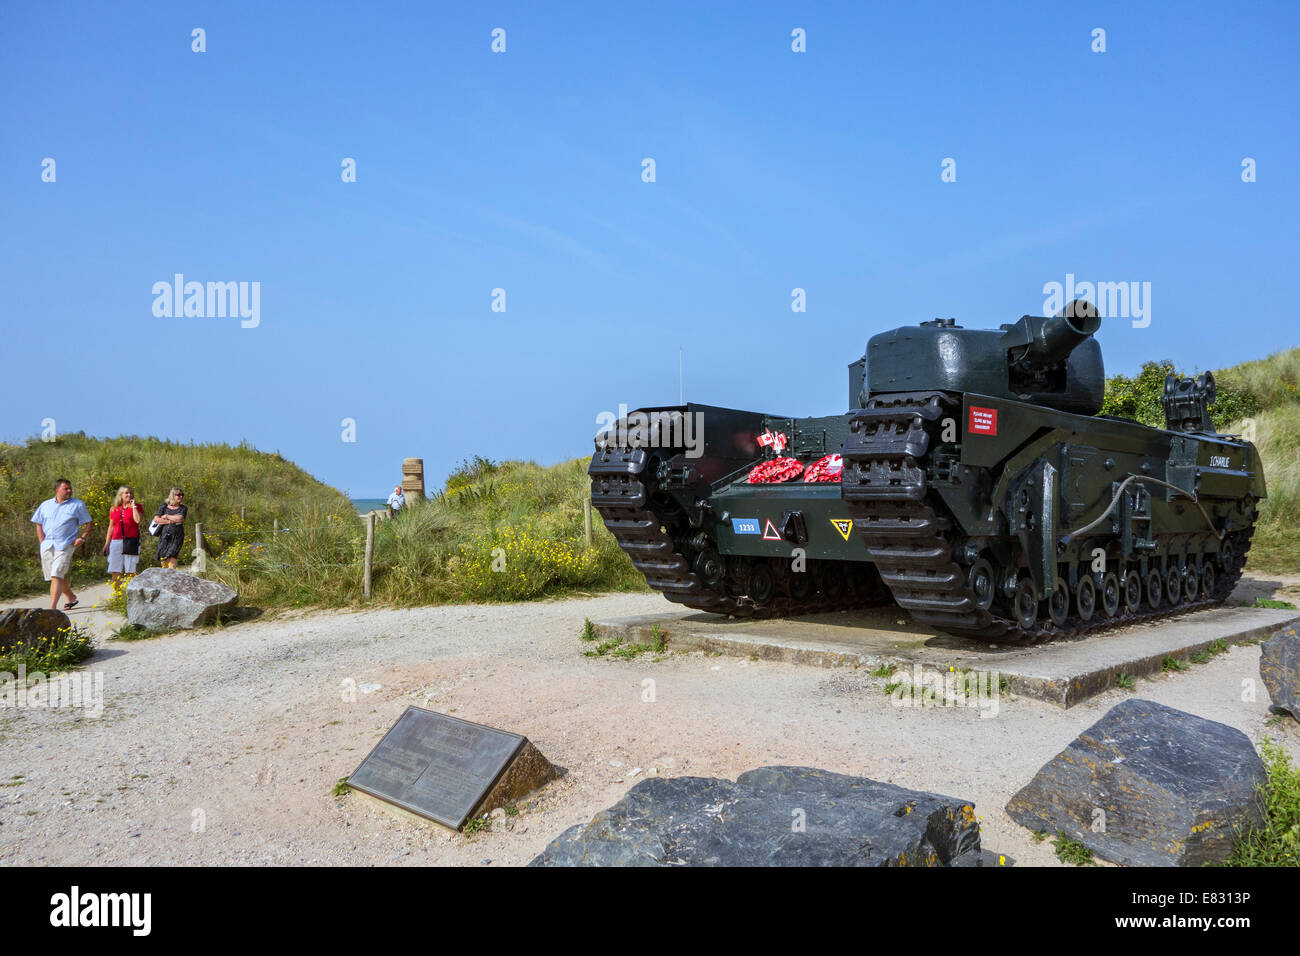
(522, 171)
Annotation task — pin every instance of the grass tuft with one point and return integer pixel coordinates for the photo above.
(1277, 842)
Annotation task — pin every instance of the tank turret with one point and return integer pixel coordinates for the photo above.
(1054, 362)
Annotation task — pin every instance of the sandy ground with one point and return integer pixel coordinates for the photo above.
(222, 747)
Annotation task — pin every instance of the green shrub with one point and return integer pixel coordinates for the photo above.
(1277, 842)
(68, 648)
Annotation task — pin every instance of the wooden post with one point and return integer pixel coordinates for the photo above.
(198, 536)
(586, 517)
(370, 554)
(275, 525)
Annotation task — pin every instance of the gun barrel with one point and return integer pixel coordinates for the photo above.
(1062, 334)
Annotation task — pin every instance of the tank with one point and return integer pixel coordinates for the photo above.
(973, 483)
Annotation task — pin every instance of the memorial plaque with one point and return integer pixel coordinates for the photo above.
(437, 766)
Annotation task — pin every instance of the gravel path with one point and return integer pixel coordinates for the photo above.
(222, 747)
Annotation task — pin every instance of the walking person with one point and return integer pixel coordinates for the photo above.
(122, 542)
(396, 501)
(171, 534)
(59, 521)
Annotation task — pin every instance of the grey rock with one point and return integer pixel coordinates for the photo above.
(756, 821)
(1172, 788)
(165, 600)
(31, 627)
(1279, 666)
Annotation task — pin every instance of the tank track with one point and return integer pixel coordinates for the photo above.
(909, 536)
(656, 544)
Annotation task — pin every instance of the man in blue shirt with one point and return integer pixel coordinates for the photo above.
(58, 530)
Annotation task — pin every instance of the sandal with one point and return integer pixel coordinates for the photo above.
(70, 605)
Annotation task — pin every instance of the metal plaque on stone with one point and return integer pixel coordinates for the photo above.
(436, 766)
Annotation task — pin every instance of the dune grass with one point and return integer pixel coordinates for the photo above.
(504, 532)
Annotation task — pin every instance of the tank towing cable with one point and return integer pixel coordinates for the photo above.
(1067, 538)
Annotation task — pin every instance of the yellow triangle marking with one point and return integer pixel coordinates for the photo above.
(843, 526)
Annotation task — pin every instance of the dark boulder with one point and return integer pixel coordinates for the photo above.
(32, 627)
(1279, 666)
(1148, 785)
(773, 816)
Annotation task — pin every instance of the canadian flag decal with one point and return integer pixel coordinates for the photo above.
(983, 421)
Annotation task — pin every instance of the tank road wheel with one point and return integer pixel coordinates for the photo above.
(1173, 585)
(1227, 557)
(1191, 583)
(1058, 605)
(799, 584)
(710, 568)
(1110, 594)
(1208, 579)
(1025, 604)
(980, 580)
(761, 584)
(1085, 598)
(1155, 589)
(1132, 591)
(832, 580)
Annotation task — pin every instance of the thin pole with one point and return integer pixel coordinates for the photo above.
(586, 518)
(370, 553)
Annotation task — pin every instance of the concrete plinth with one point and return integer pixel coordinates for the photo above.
(1063, 672)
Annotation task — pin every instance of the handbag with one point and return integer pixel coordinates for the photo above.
(155, 528)
(129, 545)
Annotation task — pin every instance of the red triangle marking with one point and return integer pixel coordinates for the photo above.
(770, 533)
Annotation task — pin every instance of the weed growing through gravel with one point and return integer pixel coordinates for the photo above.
(1125, 681)
(616, 648)
(884, 670)
(1171, 663)
(134, 632)
(68, 647)
(474, 825)
(1277, 843)
(1213, 649)
(341, 788)
(1268, 602)
(1071, 851)
(588, 630)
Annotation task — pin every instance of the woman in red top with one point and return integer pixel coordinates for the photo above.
(123, 542)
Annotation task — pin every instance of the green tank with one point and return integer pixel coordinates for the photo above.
(973, 483)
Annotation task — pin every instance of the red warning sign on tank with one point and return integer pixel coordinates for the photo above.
(770, 533)
(983, 421)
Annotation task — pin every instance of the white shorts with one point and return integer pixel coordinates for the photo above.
(55, 564)
(119, 563)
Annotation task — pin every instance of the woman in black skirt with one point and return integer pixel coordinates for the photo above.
(171, 517)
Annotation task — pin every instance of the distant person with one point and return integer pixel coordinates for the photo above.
(122, 542)
(396, 501)
(171, 534)
(58, 523)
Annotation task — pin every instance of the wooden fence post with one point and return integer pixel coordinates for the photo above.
(370, 553)
(275, 525)
(586, 517)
